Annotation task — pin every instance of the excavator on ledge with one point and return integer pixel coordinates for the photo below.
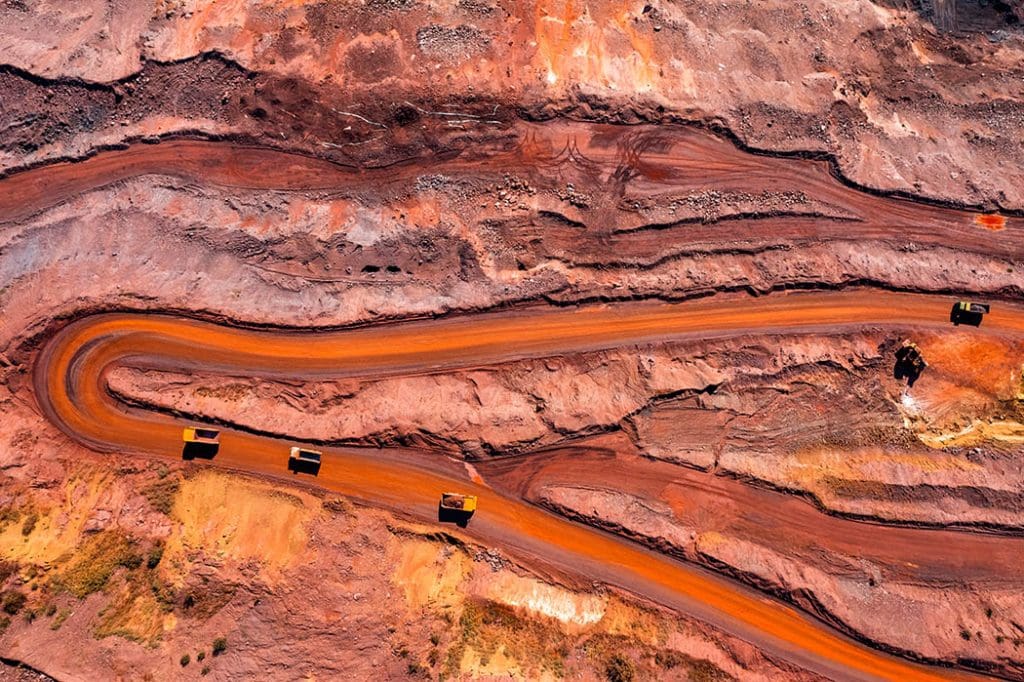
(909, 362)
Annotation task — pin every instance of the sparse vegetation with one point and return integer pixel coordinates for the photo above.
(965, 634)
(161, 494)
(8, 516)
(205, 670)
(7, 569)
(488, 627)
(185, 660)
(220, 645)
(156, 553)
(619, 669)
(51, 609)
(12, 601)
(133, 611)
(29, 524)
(200, 656)
(96, 560)
(697, 670)
(59, 620)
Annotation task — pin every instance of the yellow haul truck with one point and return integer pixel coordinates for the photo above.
(457, 508)
(200, 441)
(459, 502)
(201, 434)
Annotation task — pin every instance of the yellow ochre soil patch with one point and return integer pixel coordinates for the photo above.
(429, 573)
(810, 467)
(52, 531)
(233, 518)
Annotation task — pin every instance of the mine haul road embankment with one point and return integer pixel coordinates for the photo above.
(680, 162)
(70, 385)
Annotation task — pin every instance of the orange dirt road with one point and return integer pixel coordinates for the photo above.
(71, 389)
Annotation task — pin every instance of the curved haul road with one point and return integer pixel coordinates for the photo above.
(70, 383)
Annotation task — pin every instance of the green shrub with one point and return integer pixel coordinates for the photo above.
(59, 620)
(30, 524)
(155, 555)
(185, 660)
(619, 669)
(12, 601)
(220, 645)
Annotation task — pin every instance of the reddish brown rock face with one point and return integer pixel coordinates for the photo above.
(636, 276)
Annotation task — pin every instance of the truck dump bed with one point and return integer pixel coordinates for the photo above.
(302, 455)
(458, 502)
(198, 434)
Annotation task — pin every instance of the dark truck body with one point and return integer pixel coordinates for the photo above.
(456, 508)
(968, 312)
(306, 461)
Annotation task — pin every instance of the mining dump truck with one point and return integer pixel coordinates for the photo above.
(300, 459)
(198, 434)
(966, 312)
(457, 508)
(200, 442)
(459, 502)
(297, 455)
